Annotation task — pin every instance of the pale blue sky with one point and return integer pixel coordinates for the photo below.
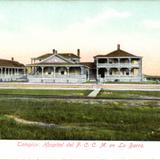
(31, 28)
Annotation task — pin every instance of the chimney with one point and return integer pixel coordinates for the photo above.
(54, 51)
(118, 46)
(12, 58)
(78, 52)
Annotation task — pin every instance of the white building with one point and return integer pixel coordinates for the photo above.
(58, 68)
(11, 70)
(117, 66)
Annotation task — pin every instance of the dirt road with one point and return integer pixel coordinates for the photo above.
(143, 87)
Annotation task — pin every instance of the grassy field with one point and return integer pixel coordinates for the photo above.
(44, 92)
(80, 120)
(147, 82)
(128, 94)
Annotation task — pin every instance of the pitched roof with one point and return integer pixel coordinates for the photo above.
(65, 55)
(89, 64)
(152, 76)
(10, 63)
(68, 55)
(43, 63)
(117, 53)
(44, 56)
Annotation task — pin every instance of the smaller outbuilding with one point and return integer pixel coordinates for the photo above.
(11, 70)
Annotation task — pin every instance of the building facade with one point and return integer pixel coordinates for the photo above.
(11, 70)
(118, 66)
(58, 68)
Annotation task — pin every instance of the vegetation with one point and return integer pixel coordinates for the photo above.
(80, 121)
(143, 82)
(44, 92)
(129, 94)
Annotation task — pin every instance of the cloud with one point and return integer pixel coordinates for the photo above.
(153, 24)
(99, 19)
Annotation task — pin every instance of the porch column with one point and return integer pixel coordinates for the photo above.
(97, 73)
(34, 70)
(7, 71)
(88, 74)
(140, 69)
(17, 71)
(14, 71)
(118, 61)
(82, 70)
(42, 71)
(129, 60)
(1, 70)
(54, 71)
(24, 71)
(129, 71)
(96, 61)
(68, 71)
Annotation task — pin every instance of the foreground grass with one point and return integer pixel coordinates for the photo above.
(128, 94)
(45, 92)
(81, 121)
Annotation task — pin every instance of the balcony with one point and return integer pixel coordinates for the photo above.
(118, 65)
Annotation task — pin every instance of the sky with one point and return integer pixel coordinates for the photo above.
(32, 28)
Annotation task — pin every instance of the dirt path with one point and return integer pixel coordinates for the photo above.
(40, 124)
(108, 86)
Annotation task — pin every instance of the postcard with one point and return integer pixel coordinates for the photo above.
(79, 79)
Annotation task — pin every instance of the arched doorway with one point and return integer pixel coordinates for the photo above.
(113, 71)
(61, 70)
(102, 72)
(124, 71)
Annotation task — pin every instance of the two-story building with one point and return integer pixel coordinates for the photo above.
(58, 67)
(117, 66)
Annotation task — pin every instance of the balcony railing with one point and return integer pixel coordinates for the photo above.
(118, 76)
(12, 75)
(56, 76)
(118, 65)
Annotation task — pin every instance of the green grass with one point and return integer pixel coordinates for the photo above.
(44, 92)
(144, 82)
(128, 94)
(81, 121)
